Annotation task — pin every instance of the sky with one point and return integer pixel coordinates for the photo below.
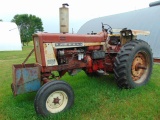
(80, 11)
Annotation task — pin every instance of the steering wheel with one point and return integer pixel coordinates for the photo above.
(109, 28)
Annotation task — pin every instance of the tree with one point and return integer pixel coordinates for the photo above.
(1, 20)
(28, 25)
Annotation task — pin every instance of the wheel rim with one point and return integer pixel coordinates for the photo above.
(56, 101)
(140, 67)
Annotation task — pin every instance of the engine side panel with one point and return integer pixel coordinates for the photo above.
(49, 54)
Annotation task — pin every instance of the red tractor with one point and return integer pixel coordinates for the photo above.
(110, 51)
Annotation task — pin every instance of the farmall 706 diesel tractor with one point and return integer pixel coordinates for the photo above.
(120, 53)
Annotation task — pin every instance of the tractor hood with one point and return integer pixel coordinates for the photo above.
(48, 37)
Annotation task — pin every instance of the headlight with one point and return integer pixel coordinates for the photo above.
(123, 34)
(129, 33)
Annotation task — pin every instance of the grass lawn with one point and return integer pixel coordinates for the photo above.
(95, 98)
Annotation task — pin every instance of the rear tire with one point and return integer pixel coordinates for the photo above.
(133, 64)
(53, 97)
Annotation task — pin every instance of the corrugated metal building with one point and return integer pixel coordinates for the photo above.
(143, 19)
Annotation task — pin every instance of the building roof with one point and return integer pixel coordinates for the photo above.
(143, 19)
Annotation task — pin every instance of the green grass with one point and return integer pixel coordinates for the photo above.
(95, 98)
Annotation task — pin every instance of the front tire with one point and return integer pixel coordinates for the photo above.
(133, 64)
(53, 97)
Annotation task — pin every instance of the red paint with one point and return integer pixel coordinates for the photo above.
(68, 57)
(91, 48)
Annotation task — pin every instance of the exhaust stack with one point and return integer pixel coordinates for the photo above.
(64, 18)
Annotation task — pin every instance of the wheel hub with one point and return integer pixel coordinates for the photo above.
(138, 66)
(56, 101)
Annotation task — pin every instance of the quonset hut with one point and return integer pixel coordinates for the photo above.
(143, 19)
(10, 37)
